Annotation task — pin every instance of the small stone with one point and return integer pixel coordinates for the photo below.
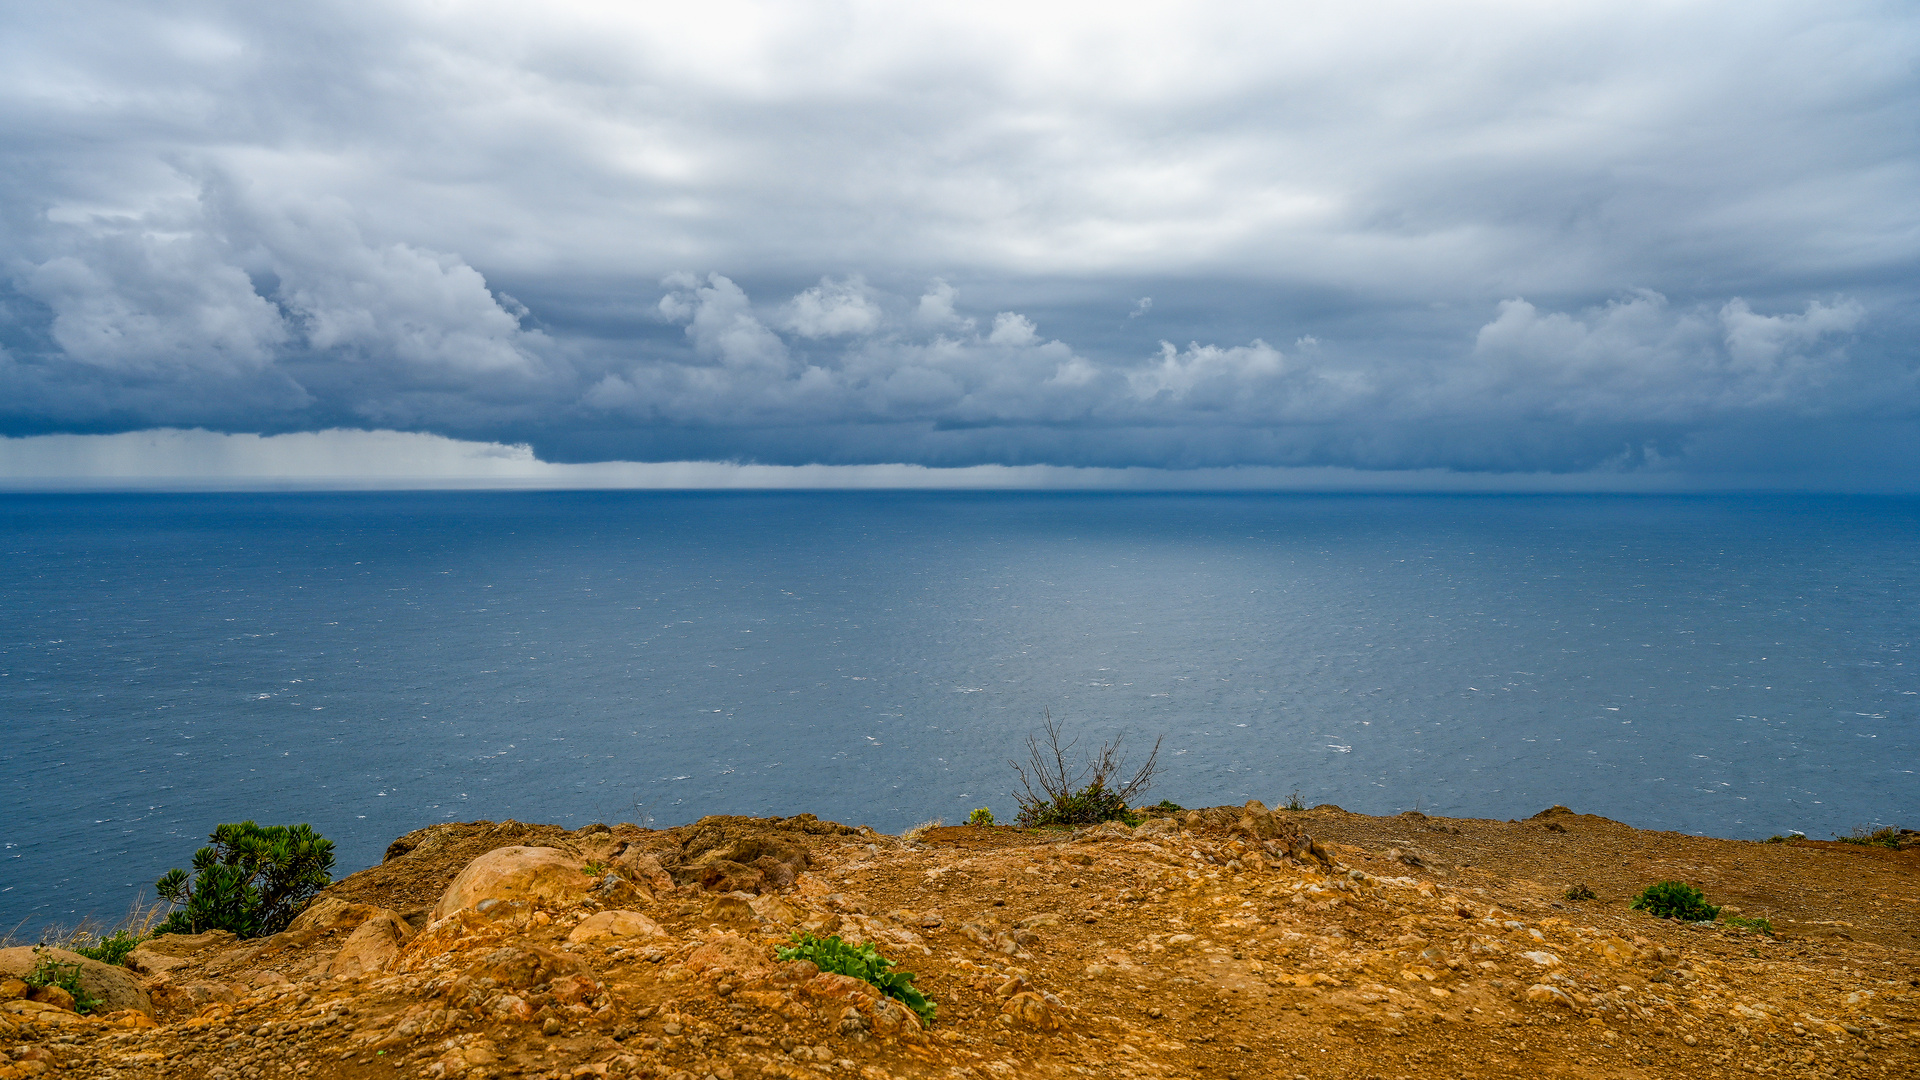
(550, 1026)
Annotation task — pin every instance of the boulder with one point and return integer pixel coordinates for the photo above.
(115, 987)
(727, 856)
(161, 954)
(889, 1016)
(725, 875)
(775, 910)
(331, 913)
(728, 953)
(615, 924)
(186, 944)
(536, 874)
(732, 909)
(643, 868)
(831, 986)
(1029, 1009)
(55, 996)
(371, 947)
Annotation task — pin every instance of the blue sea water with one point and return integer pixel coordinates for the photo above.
(371, 663)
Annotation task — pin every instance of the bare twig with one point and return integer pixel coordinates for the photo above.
(1060, 784)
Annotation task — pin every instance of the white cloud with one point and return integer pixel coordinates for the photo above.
(303, 218)
(146, 301)
(936, 311)
(1011, 328)
(721, 322)
(1640, 358)
(832, 309)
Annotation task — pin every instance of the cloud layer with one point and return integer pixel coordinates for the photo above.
(1491, 238)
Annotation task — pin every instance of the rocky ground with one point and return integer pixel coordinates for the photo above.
(1233, 943)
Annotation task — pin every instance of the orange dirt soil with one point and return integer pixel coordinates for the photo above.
(1235, 942)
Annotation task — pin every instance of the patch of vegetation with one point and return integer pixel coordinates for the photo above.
(919, 832)
(1294, 801)
(251, 881)
(1675, 900)
(93, 939)
(1888, 837)
(1758, 926)
(1580, 892)
(595, 869)
(1087, 794)
(111, 949)
(1167, 806)
(50, 972)
(862, 962)
(1787, 839)
(982, 816)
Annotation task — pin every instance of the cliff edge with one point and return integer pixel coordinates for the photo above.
(1235, 942)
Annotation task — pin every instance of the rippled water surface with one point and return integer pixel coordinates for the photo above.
(375, 662)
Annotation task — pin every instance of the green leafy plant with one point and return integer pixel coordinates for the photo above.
(1579, 892)
(111, 949)
(252, 881)
(1787, 839)
(1675, 900)
(1757, 925)
(1167, 806)
(50, 972)
(861, 962)
(1294, 802)
(1888, 837)
(1086, 794)
(982, 816)
(595, 869)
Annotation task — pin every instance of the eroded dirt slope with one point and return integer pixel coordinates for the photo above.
(1236, 942)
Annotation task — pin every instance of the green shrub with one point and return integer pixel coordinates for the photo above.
(252, 881)
(982, 816)
(1293, 801)
(1087, 794)
(1579, 892)
(1088, 806)
(595, 869)
(861, 962)
(1758, 926)
(50, 972)
(1675, 900)
(1888, 837)
(111, 949)
(1787, 839)
(1167, 806)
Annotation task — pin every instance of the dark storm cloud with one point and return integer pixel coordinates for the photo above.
(1491, 237)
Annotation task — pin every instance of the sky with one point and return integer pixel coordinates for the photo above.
(1416, 245)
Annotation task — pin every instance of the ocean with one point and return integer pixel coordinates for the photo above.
(375, 662)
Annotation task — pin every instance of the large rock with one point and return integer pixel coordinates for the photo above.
(724, 855)
(643, 868)
(537, 874)
(518, 967)
(115, 987)
(371, 947)
(615, 924)
(728, 953)
(168, 951)
(332, 913)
